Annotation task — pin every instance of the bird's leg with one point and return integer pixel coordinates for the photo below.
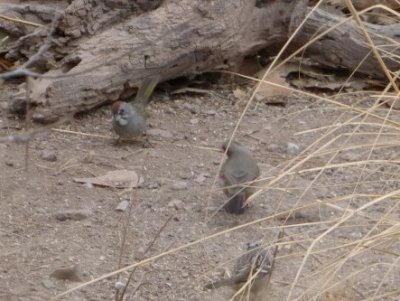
(146, 143)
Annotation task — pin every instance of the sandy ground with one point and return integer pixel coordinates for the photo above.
(354, 259)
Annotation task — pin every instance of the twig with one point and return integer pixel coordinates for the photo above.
(280, 236)
(23, 69)
(21, 21)
(121, 296)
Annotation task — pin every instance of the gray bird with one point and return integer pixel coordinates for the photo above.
(129, 118)
(255, 262)
(237, 172)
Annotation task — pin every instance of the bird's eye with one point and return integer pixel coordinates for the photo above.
(121, 111)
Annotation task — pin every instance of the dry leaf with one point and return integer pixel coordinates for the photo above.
(278, 77)
(117, 178)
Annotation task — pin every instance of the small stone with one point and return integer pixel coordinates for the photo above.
(180, 185)
(275, 148)
(47, 284)
(70, 273)
(122, 206)
(170, 111)
(175, 203)
(9, 162)
(293, 148)
(200, 178)
(48, 155)
(4, 105)
(119, 285)
(351, 156)
(210, 112)
(159, 133)
(72, 214)
(89, 157)
(191, 108)
(186, 175)
(194, 121)
(153, 185)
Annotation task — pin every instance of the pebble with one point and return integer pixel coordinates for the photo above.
(119, 285)
(293, 148)
(191, 108)
(48, 155)
(201, 178)
(186, 175)
(72, 214)
(175, 203)
(180, 185)
(351, 156)
(194, 121)
(160, 133)
(9, 162)
(70, 273)
(210, 112)
(122, 206)
(153, 185)
(48, 284)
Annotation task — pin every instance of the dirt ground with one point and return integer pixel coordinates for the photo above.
(353, 253)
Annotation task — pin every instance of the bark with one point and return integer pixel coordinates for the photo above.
(110, 49)
(174, 40)
(346, 47)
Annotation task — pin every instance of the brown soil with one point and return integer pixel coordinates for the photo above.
(178, 172)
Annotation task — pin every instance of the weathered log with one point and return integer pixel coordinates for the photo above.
(185, 37)
(346, 47)
(174, 40)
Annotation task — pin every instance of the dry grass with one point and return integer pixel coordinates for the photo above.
(329, 266)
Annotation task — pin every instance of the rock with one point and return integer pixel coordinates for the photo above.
(48, 155)
(210, 112)
(275, 148)
(119, 285)
(170, 111)
(191, 108)
(153, 185)
(185, 175)
(351, 156)
(9, 162)
(175, 203)
(180, 185)
(194, 121)
(293, 148)
(201, 178)
(70, 273)
(72, 214)
(122, 206)
(48, 284)
(160, 133)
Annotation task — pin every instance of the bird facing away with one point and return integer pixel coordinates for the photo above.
(237, 173)
(254, 265)
(129, 118)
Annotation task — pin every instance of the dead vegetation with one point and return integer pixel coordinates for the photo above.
(329, 156)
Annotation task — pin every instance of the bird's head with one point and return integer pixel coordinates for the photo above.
(122, 111)
(234, 147)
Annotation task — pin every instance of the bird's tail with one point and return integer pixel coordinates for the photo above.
(236, 202)
(146, 89)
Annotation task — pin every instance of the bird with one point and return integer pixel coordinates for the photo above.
(254, 265)
(129, 118)
(237, 173)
